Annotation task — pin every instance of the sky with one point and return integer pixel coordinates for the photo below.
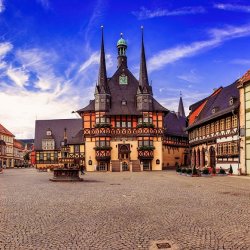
(49, 52)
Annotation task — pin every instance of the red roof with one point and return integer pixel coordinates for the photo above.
(5, 131)
(245, 78)
(197, 111)
(18, 144)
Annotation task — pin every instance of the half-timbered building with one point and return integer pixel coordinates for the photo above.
(123, 128)
(244, 89)
(58, 143)
(123, 125)
(213, 129)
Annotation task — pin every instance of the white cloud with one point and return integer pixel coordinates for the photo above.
(190, 76)
(217, 37)
(241, 62)
(18, 75)
(42, 63)
(232, 7)
(94, 19)
(94, 59)
(49, 95)
(2, 7)
(5, 48)
(145, 13)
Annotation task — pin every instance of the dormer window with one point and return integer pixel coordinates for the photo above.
(48, 132)
(124, 102)
(215, 109)
(232, 100)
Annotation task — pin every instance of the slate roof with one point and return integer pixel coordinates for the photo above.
(89, 107)
(77, 139)
(220, 101)
(125, 92)
(57, 127)
(175, 125)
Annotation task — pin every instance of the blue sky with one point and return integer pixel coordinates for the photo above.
(49, 52)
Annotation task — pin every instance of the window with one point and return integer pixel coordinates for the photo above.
(124, 103)
(220, 149)
(207, 130)
(229, 148)
(200, 132)
(48, 132)
(212, 127)
(225, 148)
(203, 130)
(222, 125)
(40, 156)
(217, 126)
(56, 156)
(228, 122)
(48, 156)
(234, 121)
(76, 148)
(145, 119)
(235, 148)
(145, 143)
(102, 120)
(102, 143)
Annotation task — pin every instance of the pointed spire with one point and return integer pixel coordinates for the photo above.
(181, 111)
(102, 77)
(143, 78)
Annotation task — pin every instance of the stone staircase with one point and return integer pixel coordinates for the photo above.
(136, 167)
(115, 165)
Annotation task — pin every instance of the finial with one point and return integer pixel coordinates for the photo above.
(121, 34)
(142, 27)
(180, 94)
(101, 26)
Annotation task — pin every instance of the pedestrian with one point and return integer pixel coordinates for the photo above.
(82, 169)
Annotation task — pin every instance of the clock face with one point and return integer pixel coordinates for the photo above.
(123, 79)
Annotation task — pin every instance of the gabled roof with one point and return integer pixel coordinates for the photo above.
(175, 125)
(219, 100)
(244, 79)
(5, 131)
(57, 127)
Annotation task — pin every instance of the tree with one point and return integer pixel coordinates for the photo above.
(26, 157)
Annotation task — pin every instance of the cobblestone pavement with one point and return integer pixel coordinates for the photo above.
(123, 211)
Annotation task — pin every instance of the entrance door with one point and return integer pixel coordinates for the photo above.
(212, 157)
(146, 165)
(125, 166)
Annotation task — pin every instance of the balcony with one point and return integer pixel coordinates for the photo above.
(146, 152)
(103, 155)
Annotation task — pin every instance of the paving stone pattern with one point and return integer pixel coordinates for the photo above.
(123, 211)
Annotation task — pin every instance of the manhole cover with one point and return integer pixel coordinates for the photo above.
(163, 245)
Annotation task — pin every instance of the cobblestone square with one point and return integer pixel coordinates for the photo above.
(123, 211)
